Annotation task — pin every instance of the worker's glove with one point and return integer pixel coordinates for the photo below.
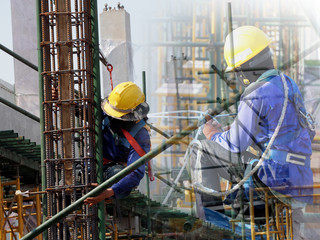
(211, 127)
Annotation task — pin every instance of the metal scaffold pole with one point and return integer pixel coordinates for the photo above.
(97, 113)
(41, 98)
(148, 166)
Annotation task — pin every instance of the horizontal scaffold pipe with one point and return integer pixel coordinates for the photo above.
(19, 109)
(108, 183)
(25, 61)
(21, 59)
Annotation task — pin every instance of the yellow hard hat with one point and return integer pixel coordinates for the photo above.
(126, 99)
(248, 41)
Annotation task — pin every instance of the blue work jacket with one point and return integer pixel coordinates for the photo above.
(258, 115)
(119, 150)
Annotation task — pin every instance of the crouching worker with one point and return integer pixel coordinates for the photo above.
(124, 112)
(264, 111)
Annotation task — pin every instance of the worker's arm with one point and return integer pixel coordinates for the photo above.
(245, 128)
(94, 200)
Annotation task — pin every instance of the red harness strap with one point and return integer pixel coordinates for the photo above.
(105, 161)
(138, 149)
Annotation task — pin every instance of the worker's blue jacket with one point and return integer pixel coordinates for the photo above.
(118, 149)
(288, 161)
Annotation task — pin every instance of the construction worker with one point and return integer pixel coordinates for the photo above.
(262, 111)
(124, 112)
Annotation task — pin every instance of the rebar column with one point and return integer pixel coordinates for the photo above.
(69, 120)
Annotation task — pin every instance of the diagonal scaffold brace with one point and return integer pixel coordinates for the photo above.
(108, 183)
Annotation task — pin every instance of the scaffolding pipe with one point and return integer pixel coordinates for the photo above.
(97, 113)
(215, 82)
(19, 109)
(144, 87)
(18, 57)
(41, 120)
(158, 130)
(108, 183)
(25, 61)
(300, 56)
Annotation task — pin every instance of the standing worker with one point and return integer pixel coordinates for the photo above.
(124, 112)
(261, 106)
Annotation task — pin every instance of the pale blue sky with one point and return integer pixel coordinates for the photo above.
(138, 9)
(6, 61)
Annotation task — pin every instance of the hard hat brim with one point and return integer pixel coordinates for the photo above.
(138, 113)
(109, 110)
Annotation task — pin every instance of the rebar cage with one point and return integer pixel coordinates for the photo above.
(69, 114)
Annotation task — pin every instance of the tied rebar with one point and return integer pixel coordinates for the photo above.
(69, 124)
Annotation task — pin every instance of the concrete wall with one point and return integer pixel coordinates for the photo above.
(10, 119)
(7, 91)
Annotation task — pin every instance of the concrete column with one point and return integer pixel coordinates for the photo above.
(115, 43)
(24, 36)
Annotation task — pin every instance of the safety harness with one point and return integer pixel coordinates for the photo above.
(129, 140)
(282, 157)
(138, 149)
(199, 187)
(305, 119)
